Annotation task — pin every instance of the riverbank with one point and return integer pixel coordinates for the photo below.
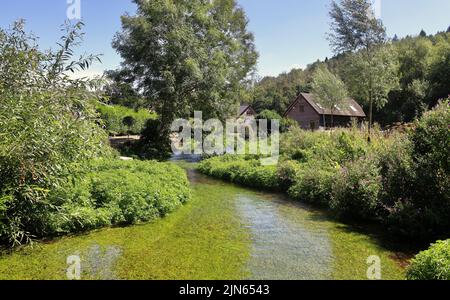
(201, 240)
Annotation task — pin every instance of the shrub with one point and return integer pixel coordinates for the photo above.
(48, 128)
(313, 184)
(295, 144)
(351, 145)
(129, 122)
(397, 171)
(253, 175)
(356, 190)
(238, 170)
(416, 181)
(268, 115)
(287, 173)
(118, 193)
(432, 264)
(330, 147)
(285, 123)
(431, 148)
(117, 119)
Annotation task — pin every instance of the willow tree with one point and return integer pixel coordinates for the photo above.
(329, 90)
(357, 32)
(48, 129)
(185, 55)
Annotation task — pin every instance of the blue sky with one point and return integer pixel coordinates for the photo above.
(289, 33)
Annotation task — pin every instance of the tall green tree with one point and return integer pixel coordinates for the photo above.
(439, 71)
(371, 80)
(185, 55)
(121, 92)
(356, 30)
(329, 90)
(277, 93)
(354, 26)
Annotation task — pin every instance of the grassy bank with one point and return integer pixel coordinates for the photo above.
(201, 240)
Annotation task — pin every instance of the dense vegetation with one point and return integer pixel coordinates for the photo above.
(432, 264)
(401, 181)
(47, 127)
(285, 123)
(59, 175)
(115, 119)
(207, 239)
(50, 135)
(422, 65)
(114, 192)
(184, 56)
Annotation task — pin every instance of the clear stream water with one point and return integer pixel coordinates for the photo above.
(291, 240)
(283, 247)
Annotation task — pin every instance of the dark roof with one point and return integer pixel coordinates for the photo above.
(349, 107)
(243, 109)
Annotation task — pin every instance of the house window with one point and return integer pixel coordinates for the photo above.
(301, 108)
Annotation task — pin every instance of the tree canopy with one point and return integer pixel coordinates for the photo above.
(354, 29)
(185, 55)
(277, 93)
(328, 89)
(354, 26)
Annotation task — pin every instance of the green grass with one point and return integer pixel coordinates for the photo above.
(202, 240)
(351, 250)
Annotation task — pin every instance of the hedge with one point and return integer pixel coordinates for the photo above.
(114, 119)
(241, 171)
(117, 193)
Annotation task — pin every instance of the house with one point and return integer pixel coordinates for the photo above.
(310, 114)
(246, 112)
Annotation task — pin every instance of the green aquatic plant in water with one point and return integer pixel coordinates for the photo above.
(225, 232)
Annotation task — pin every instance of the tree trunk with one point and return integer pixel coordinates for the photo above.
(369, 57)
(370, 111)
(332, 119)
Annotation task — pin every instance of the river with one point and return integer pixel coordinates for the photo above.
(225, 232)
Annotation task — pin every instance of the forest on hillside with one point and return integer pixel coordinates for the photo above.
(422, 71)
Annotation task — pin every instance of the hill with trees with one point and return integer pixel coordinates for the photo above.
(422, 70)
